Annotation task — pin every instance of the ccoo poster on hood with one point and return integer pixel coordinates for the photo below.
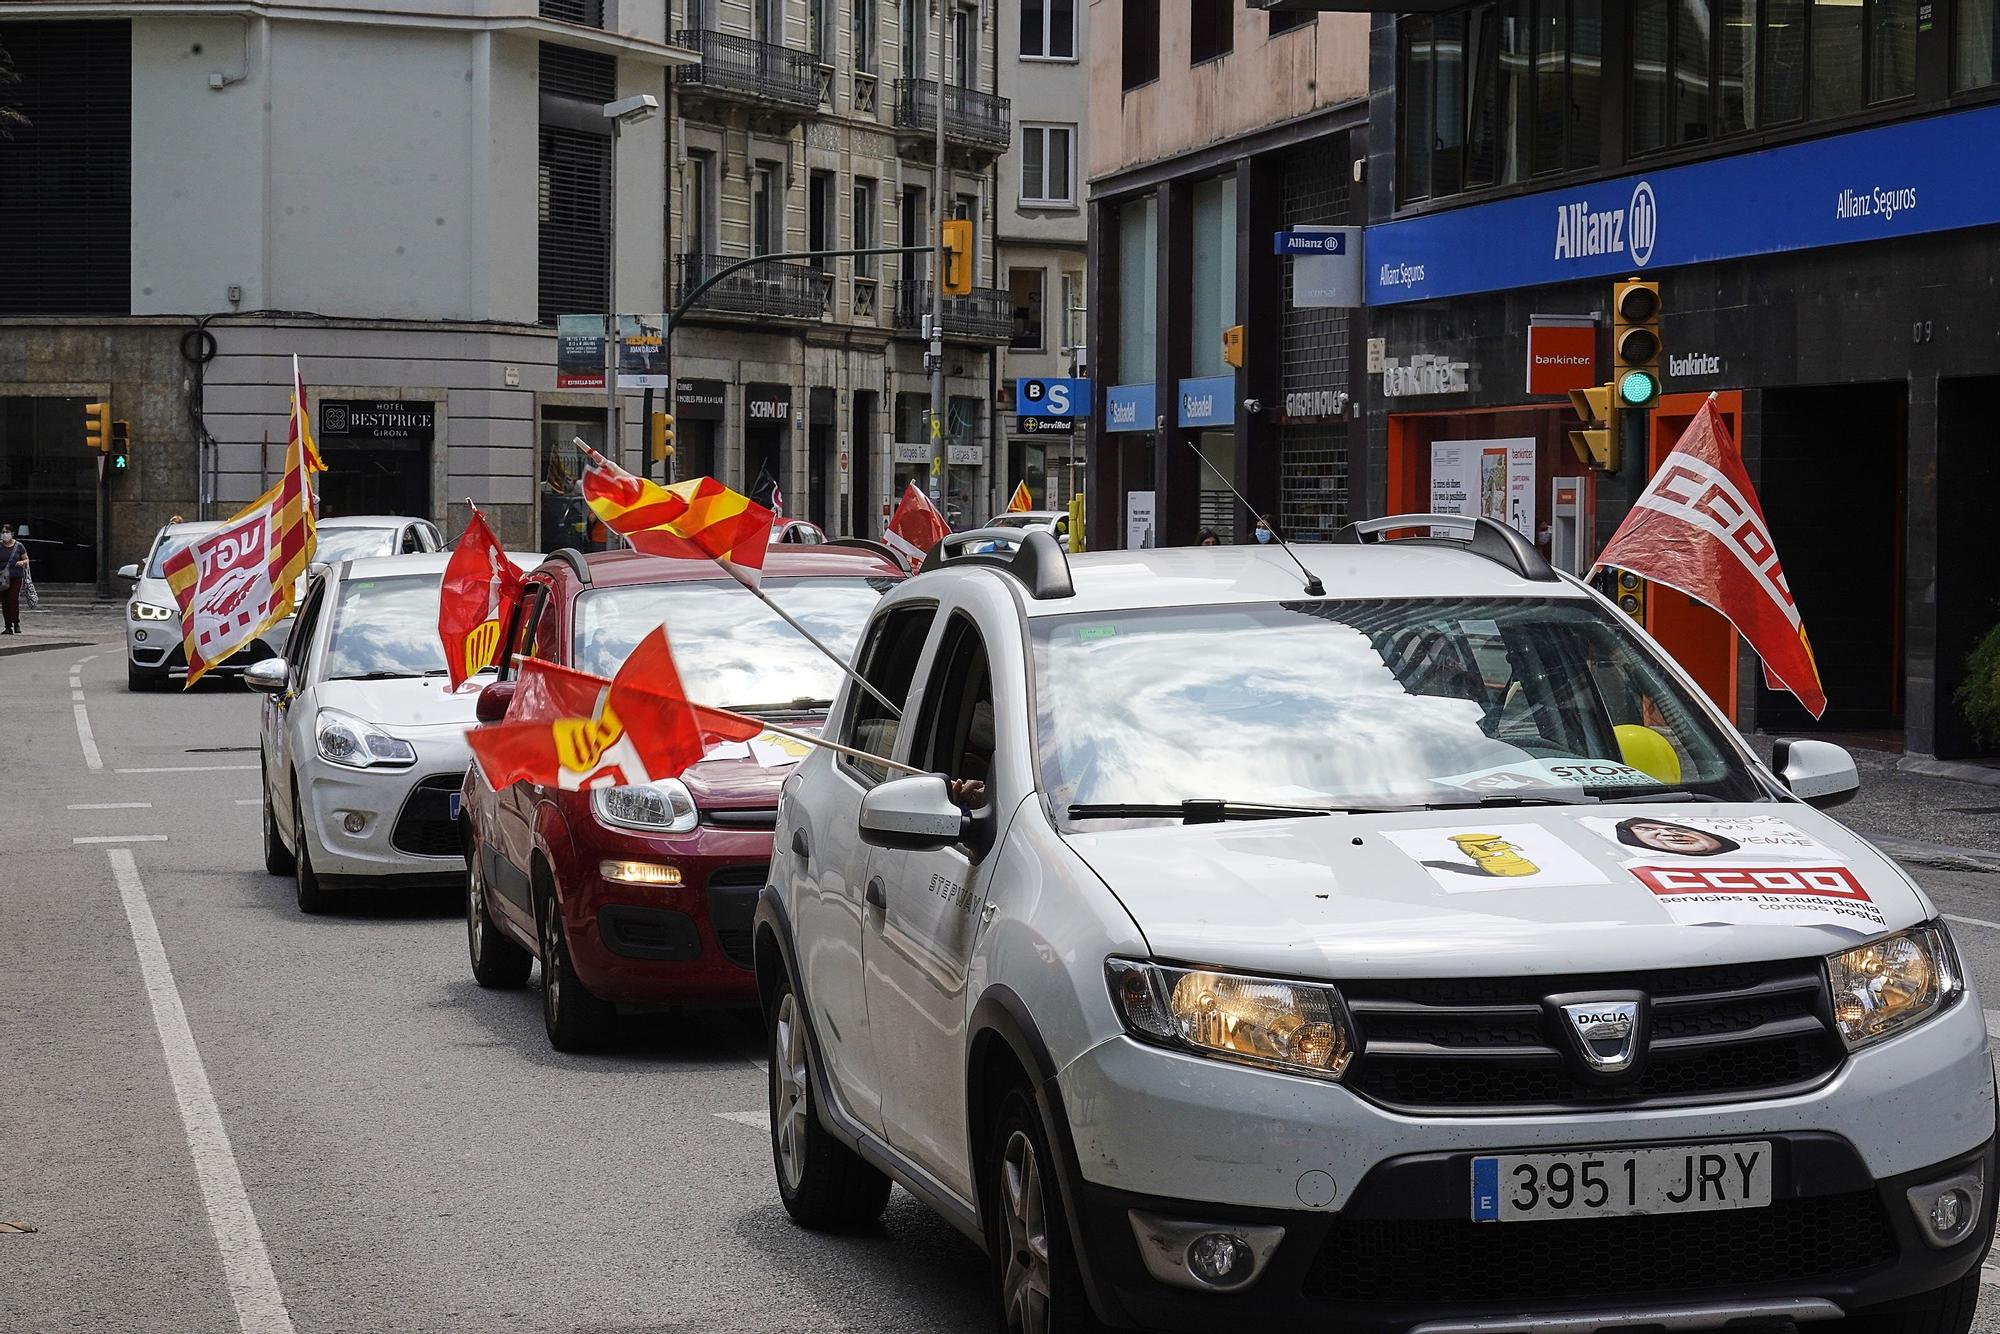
(1740, 870)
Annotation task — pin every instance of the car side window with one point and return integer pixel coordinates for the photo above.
(888, 661)
(955, 733)
(298, 649)
(413, 541)
(431, 538)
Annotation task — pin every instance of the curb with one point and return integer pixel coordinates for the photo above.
(1985, 775)
(40, 645)
(1939, 856)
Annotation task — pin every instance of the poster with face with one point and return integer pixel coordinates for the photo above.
(1471, 858)
(1739, 870)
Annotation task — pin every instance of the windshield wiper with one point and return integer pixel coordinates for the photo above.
(1197, 810)
(1510, 799)
(384, 676)
(803, 704)
(1665, 794)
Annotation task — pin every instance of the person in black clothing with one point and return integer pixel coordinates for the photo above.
(13, 575)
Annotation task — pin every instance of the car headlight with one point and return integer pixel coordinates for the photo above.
(148, 611)
(1298, 1027)
(1886, 986)
(665, 807)
(348, 741)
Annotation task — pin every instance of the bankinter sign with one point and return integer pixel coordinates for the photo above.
(1561, 357)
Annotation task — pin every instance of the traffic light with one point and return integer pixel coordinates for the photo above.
(957, 256)
(97, 426)
(1628, 590)
(660, 436)
(121, 445)
(1635, 342)
(1595, 442)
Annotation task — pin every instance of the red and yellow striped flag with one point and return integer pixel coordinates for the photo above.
(691, 519)
(293, 536)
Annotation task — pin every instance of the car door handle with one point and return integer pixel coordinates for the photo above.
(801, 848)
(878, 897)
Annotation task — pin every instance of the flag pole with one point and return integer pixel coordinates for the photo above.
(808, 739)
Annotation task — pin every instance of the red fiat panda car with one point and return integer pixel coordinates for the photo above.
(642, 897)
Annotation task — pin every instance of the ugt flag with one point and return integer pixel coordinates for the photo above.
(572, 730)
(225, 587)
(480, 588)
(915, 527)
(1698, 528)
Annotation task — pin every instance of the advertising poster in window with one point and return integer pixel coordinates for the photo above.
(1138, 520)
(1494, 479)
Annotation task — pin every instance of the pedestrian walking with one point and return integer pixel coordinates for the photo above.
(13, 578)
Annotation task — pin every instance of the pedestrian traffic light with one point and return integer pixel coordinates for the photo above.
(660, 436)
(121, 445)
(97, 426)
(1635, 342)
(1595, 443)
(956, 247)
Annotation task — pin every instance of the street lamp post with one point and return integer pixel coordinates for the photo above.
(625, 111)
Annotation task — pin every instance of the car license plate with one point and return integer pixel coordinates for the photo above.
(456, 797)
(1616, 1183)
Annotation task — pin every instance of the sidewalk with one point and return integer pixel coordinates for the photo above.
(1901, 806)
(66, 623)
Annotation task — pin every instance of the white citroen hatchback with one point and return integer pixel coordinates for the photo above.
(1405, 944)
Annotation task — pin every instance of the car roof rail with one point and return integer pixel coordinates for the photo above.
(1039, 561)
(573, 558)
(1488, 538)
(869, 545)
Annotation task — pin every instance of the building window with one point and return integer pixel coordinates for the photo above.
(1211, 29)
(964, 51)
(915, 32)
(589, 13)
(66, 207)
(1975, 32)
(1048, 165)
(1067, 336)
(1213, 307)
(1138, 289)
(1139, 35)
(863, 18)
(816, 35)
(573, 183)
(1290, 20)
(1026, 287)
(767, 209)
(1048, 29)
(819, 214)
(864, 225)
(698, 201)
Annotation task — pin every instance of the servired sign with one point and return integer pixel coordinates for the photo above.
(1561, 357)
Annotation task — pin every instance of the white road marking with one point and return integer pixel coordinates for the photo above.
(246, 1264)
(758, 1120)
(111, 806)
(76, 695)
(193, 769)
(91, 759)
(121, 838)
(1972, 921)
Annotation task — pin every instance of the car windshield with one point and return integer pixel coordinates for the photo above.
(731, 650)
(339, 544)
(386, 627)
(164, 551)
(1403, 702)
(1019, 521)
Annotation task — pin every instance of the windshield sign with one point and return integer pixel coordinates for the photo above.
(386, 627)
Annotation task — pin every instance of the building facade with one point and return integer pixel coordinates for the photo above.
(1795, 177)
(1212, 126)
(403, 195)
(809, 125)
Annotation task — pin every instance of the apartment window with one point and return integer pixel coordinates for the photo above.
(698, 204)
(1048, 29)
(912, 223)
(767, 209)
(1067, 338)
(863, 19)
(819, 214)
(1211, 29)
(1139, 35)
(573, 194)
(964, 50)
(816, 36)
(768, 21)
(865, 234)
(1026, 288)
(701, 15)
(1975, 33)
(1290, 20)
(915, 34)
(66, 208)
(589, 13)
(1048, 165)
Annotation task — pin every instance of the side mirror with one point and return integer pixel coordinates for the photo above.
(494, 701)
(915, 814)
(270, 676)
(129, 572)
(1819, 773)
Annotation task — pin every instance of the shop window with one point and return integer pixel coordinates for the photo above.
(1026, 286)
(1048, 29)
(1139, 40)
(1048, 173)
(1975, 30)
(1213, 305)
(1211, 29)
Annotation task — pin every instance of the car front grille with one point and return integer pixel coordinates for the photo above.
(732, 908)
(1489, 1044)
(1366, 1261)
(425, 827)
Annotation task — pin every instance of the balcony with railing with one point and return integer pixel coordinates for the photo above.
(987, 313)
(745, 70)
(775, 289)
(972, 119)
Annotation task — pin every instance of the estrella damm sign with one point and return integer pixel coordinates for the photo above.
(480, 644)
(581, 742)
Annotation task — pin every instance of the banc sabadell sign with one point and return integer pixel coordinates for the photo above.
(1907, 179)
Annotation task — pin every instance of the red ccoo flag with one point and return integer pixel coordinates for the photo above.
(1698, 528)
(572, 730)
(480, 587)
(915, 527)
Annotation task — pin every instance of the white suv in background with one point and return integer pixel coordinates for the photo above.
(1424, 954)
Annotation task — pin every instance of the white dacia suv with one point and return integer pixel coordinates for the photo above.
(1393, 941)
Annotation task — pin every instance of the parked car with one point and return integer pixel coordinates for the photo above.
(797, 532)
(359, 536)
(642, 896)
(1427, 956)
(1053, 522)
(362, 741)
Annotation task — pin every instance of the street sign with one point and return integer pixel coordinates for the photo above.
(1326, 266)
(1047, 426)
(1037, 397)
(1310, 241)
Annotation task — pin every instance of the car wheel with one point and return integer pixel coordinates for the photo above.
(574, 1018)
(823, 1183)
(278, 859)
(1948, 1310)
(497, 962)
(1036, 1277)
(139, 678)
(313, 897)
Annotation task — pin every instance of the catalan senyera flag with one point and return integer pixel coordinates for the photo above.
(481, 585)
(573, 731)
(1021, 502)
(696, 518)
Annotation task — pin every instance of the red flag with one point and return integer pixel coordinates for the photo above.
(1020, 502)
(480, 587)
(688, 520)
(915, 527)
(572, 730)
(1697, 527)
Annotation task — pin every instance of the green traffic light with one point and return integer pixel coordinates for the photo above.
(1637, 388)
(118, 461)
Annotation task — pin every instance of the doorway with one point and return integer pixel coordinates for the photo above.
(1968, 599)
(822, 467)
(860, 519)
(48, 486)
(375, 477)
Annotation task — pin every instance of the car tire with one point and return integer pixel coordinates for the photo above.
(140, 679)
(313, 897)
(278, 859)
(498, 964)
(574, 1018)
(824, 1184)
(1036, 1278)
(1947, 1310)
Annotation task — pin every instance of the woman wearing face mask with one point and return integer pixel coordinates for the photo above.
(1266, 530)
(13, 574)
